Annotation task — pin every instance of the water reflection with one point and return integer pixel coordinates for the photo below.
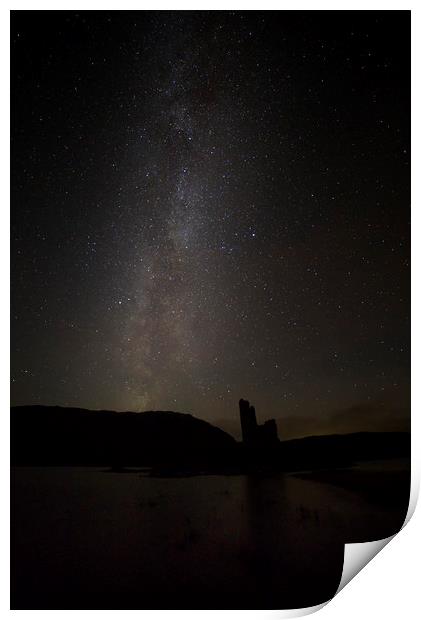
(84, 538)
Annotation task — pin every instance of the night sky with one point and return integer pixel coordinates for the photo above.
(213, 205)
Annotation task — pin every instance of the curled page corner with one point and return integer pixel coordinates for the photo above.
(358, 555)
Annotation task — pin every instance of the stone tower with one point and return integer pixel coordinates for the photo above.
(248, 422)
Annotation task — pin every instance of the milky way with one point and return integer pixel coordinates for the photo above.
(208, 206)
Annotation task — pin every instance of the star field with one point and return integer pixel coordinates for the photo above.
(208, 206)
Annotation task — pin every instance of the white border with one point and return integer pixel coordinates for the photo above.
(389, 585)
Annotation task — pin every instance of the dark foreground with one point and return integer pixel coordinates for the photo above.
(89, 538)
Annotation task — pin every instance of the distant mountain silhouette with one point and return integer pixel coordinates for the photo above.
(326, 451)
(175, 443)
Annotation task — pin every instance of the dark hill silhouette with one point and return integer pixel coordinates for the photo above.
(340, 450)
(64, 436)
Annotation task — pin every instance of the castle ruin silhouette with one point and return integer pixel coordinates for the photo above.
(255, 436)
